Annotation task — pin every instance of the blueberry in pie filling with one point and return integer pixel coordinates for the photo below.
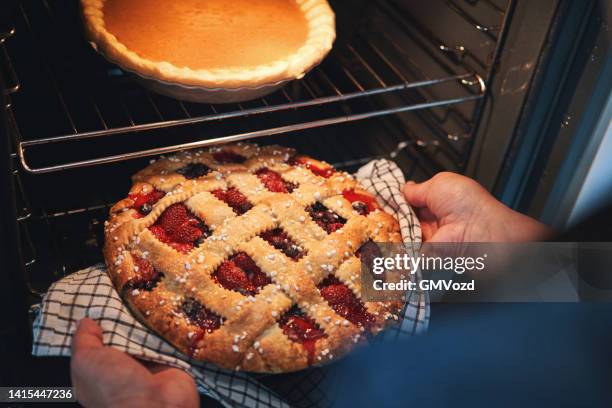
(255, 266)
(199, 315)
(280, 240)
(228, 156)
(362, 202)
(202, 318)
(325, 218)
(194, 170)
(143, 202)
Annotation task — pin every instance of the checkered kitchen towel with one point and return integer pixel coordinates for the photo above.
(90, 292)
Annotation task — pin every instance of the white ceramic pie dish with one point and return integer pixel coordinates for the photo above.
(207, 95)
(195, 93)
(215, 85)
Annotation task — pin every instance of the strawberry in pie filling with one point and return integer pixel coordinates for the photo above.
(147, 276)
(315, 166)
(227, 156)
(318, 168)
(362, 203)
(280, 240)
(325, 218)
(143, 203)
(235, 199)
(241, 273)
(344, 302)
(300, 328)
(179, 228)
(274, 182)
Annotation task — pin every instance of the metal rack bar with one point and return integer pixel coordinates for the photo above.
(5, 35)
(240, 113)
(485, 29)
(12, 84)
(239, 136)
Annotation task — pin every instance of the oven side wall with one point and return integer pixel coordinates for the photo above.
(15, 335)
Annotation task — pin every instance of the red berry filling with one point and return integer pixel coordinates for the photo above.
(325, 218)
(368, 251)
(194, 170)
(281, 241)
(362, 203)
(301, 329)
(207, 320)
(344, 302)
(303, 161)
(147, 276)
(274, 182)
(234, 199)
(143, 203)
(241, 273)
(180, 228)
(227, 156)
(200, 315)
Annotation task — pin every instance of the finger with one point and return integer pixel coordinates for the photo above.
(416, 194)
(155, 368)
(167, 373)
(177, 387)
(429, 223)
(88, 335)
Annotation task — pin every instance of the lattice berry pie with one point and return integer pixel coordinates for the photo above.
(248, 257)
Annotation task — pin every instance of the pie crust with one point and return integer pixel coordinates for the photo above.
(319, 37)
(248, 257)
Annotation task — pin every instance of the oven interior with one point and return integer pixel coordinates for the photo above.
(404, 81)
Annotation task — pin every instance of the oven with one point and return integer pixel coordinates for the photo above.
(494, 89)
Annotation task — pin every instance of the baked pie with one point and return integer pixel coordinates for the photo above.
(248, 257)
(212, 43)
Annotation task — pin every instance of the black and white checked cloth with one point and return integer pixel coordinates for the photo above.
(90, 293)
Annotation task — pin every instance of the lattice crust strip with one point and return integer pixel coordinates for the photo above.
(248, 257)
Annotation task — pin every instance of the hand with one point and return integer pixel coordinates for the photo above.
(105, 377)
(455, 208)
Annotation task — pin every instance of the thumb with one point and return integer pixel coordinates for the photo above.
(88, 335)
(416, 194)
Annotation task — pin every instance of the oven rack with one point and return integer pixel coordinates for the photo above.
(357, 81)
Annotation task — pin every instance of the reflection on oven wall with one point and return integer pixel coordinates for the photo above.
(478, 87)
(597, 188)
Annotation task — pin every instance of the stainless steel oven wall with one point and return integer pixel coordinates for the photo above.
(532, 134)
